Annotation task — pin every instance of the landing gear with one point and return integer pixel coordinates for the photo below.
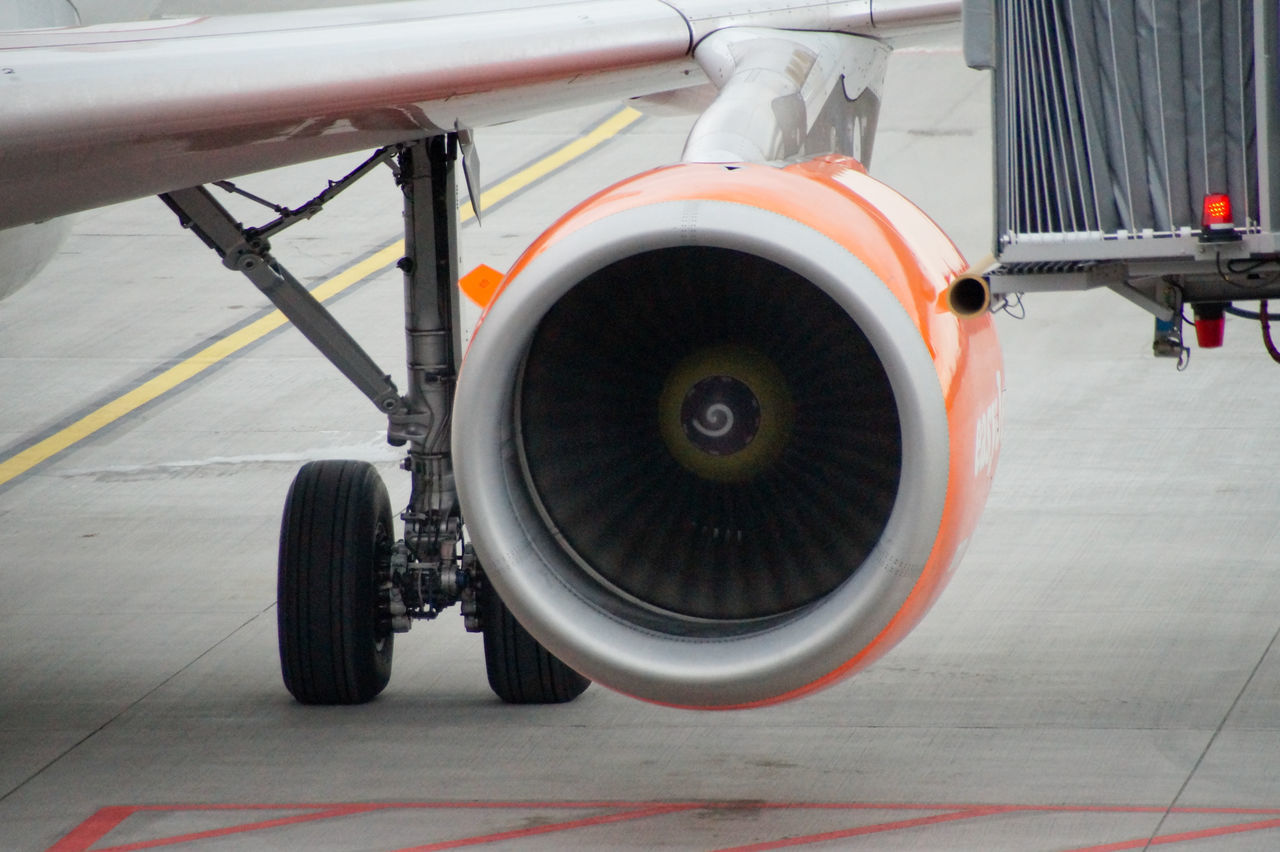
(520, 670)
(335, 548)
(346, 585)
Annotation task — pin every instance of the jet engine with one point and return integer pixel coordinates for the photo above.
(719, 441)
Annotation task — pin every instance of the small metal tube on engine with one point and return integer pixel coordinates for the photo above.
(970, 293)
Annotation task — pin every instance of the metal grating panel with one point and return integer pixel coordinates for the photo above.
(1118, 116)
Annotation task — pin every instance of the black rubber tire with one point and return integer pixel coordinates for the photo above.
(520, 670)
(335, 539)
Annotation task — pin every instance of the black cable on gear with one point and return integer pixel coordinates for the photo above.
(1265, 320)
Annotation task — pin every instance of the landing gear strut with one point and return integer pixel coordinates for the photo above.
(346, 585)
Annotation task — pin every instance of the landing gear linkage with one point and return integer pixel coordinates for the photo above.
(427, 570)
(346, 586)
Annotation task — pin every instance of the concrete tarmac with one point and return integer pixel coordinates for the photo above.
(1100, 673)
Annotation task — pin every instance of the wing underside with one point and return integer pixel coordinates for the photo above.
(95, 115)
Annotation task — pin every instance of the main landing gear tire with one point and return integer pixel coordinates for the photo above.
(520, 670)
(335, 543)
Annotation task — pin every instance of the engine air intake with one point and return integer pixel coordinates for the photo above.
(709, 433)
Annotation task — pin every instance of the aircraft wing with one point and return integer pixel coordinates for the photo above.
(96, 115)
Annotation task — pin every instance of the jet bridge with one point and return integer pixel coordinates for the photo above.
(1136, 147)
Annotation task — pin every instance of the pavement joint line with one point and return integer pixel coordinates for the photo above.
(1186, 782)
(131, 705)
(148, 391)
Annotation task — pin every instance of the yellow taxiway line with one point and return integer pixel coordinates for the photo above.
(21, 462)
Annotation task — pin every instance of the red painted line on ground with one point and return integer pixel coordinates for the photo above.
(1184, 836)
(878, 828)
(260, 825)
(438, 805)
(96, 827)
(1138, 809)
(518, 834)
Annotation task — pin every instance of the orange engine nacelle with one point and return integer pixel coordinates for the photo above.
(719, 441)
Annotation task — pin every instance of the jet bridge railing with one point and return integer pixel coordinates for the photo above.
(1113, 119)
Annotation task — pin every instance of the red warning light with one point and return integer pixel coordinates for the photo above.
(1216, 219)
(1217, 210)
(1210, 324)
